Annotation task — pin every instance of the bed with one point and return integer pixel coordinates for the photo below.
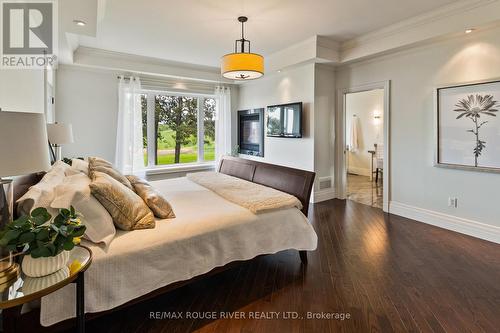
(208, 235)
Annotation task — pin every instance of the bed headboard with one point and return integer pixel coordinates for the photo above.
(292, 181)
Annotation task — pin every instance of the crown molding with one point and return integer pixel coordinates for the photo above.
(293, 55)
(92, 57)
(397, 28)
(326, 66)
(437, 25)
(315, 49)
(76, 67)
(413, 48)
(327, 50)
(89, 51)
(151, 82)
(443, 21)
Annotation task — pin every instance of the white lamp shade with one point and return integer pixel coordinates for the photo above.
(60, 134)
(23, 143)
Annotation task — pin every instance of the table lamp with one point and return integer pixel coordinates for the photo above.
(23, 150)
(59, 134)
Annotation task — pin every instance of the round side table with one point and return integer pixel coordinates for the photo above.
(26, 289)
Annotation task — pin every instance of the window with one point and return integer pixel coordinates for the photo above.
(173, 125)
(209, 107)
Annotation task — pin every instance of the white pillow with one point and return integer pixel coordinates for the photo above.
(80, 165)
(62, 167)
(75, 191)
(42, 193)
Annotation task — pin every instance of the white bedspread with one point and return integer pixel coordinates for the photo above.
(208, 232)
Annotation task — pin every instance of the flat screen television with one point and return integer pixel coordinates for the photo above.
(285, 120)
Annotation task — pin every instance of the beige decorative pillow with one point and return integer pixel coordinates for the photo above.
(156, 202)
(97, 164)
(97, 161)
(128, 210)
(80, 165)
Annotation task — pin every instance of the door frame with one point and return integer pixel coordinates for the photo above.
(341, 175)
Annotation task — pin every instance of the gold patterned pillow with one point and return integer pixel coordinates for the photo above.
(128, 210)
(155, 200)
(97, 164)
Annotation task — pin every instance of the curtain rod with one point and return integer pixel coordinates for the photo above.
(157, 83)
(125, 78)
(173, 80)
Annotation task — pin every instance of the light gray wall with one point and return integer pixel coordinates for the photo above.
(22, 90)
(324, 139)
(292, 85)
(88, 99)
(414, 74)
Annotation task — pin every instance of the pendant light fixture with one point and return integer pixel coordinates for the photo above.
(242, 64)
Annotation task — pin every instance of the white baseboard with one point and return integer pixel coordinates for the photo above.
(323, 195)
(359, 171)
(450, 222)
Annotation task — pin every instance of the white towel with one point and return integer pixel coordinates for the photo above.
(353, 140)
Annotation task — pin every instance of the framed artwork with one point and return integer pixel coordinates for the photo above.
(468, 126)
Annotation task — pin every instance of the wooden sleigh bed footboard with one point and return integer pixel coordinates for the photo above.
(293, 181)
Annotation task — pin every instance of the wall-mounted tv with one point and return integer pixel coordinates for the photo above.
(285, 120)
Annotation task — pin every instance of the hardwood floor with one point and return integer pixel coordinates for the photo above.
(389, 273)
(363, 190)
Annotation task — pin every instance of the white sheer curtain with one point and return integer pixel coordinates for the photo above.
(129, 158)
(222, 123)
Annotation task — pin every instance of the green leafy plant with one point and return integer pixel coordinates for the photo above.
(473, 107)
(40, 236)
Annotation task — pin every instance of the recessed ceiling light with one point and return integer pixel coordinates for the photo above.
(279, 70)
(79, 23)
(468, 31)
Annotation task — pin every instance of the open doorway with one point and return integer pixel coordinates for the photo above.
(365, 144)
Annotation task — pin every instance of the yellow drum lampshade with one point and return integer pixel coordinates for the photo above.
(242, 66)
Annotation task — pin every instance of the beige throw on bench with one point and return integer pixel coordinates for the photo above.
(254, 197)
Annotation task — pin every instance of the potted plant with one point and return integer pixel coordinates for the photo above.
(44, 242)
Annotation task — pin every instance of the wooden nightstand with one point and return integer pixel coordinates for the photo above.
(18, 293)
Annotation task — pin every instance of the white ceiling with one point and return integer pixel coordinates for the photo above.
(201, 31)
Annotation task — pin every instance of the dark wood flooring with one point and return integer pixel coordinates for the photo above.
(389, 273)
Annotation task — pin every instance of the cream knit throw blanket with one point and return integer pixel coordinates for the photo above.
(254, 197)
